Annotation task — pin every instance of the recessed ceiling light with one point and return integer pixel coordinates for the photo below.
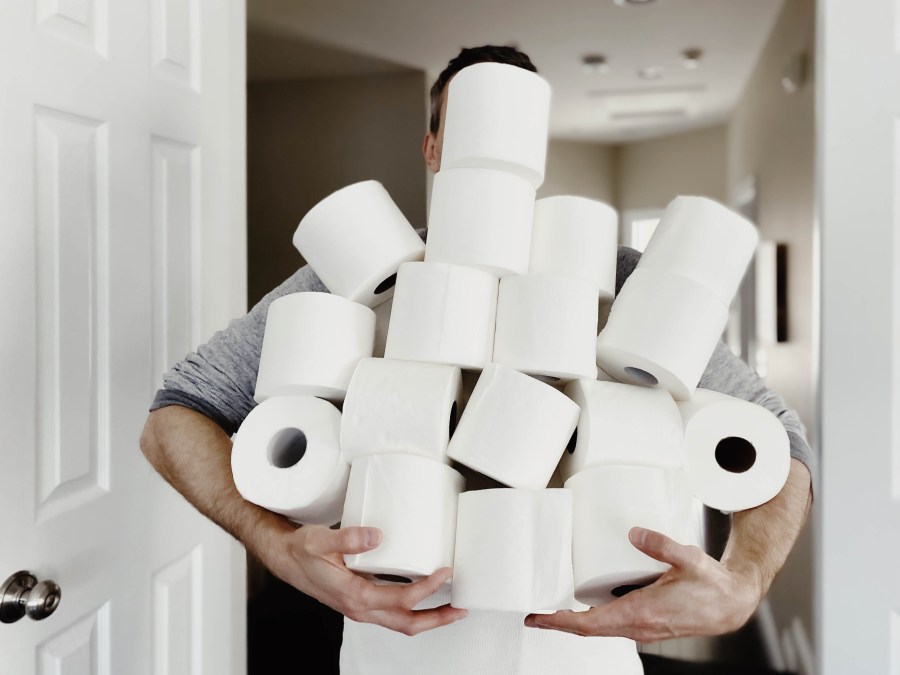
(633, 3)
(650, 73)
(594, 63)
(691, 57)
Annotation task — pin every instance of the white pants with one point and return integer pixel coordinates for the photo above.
(484, 643)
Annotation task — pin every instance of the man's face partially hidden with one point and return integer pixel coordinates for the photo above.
(431, 147)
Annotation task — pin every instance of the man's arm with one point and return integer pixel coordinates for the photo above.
(700, 595)
(193, 454)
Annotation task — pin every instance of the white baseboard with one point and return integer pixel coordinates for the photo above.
(806, 660)
(770, 636)
(788, 649)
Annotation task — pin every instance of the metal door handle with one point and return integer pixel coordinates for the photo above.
(21, 595)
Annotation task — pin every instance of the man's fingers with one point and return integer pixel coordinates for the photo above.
(347, 540)
(612, 620)
(564, 620)
(417, 592)
(395, 597)
(413, 623)
(662, 548)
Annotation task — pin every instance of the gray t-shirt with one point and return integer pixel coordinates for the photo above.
(219, 379)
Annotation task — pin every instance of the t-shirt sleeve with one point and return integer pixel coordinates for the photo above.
(728, 374)
(219, 379)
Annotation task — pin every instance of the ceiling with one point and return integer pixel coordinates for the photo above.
(306, 38)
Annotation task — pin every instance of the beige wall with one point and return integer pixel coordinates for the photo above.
(307, 138)
(771, 135)
(652, 173)
(642, 174)
(577, 168)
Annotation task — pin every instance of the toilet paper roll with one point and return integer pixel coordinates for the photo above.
(287, 458)
(607, 501)
(622, 424)
(661, 331)
(355, 239)
(413, 501)
(481, 218)
(704, 241)
(578, 237)
(547, 325)
(737, 453)
(513, 550)
(443, 314)
(312, 344)
(497, 117)
(514, 428)
(401, 406)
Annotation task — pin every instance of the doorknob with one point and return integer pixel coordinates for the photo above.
(21, 594)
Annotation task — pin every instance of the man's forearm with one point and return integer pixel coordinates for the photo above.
(761, 538)
(194, 455)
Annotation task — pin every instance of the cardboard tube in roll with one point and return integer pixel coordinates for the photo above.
(287, 459)
(737, 453)
(702, 240)
(607, 501)
(498, 117)
(513, 550)
(401, 406)
(577, 237)
(443, 314)
(546, 326)
(412, 500)
(623, 424)
(661, 331)
(514, 428)
(355, 239)
(481, 218)
(312, 344)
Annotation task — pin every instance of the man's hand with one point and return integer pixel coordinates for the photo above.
(697, 596)
(311, 559)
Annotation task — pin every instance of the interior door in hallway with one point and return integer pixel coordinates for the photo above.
(121, 203)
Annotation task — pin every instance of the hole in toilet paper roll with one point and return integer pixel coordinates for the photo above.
(735, 454)
(393, 578)
(286, 448)
(453, 419)
(625, 589)
(386, 284)
(572, 441)
(641, 376)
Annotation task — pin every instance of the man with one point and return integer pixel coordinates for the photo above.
(207, 395)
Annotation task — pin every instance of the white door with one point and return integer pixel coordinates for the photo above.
(122, 221)
(858, 498)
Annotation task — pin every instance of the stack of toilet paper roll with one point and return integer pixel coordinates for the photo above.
(397, 423)
(507, 289)
(287, 454)
(673, 308)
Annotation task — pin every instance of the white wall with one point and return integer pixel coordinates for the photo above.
(580, 168)
(653, 172)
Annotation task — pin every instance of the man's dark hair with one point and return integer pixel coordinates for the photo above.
(466, 57)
